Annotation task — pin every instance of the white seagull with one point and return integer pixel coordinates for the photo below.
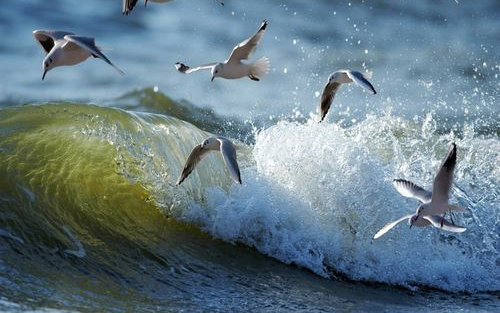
(334, 82)
(226, 148)
(435, 203)
(128, 5)
(65, 48)
(233, 68)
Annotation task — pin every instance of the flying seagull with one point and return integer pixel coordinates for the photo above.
(65, 48)
(435, 203)
(221, 144)
(334, 82)
(128, 5)
(233, 68)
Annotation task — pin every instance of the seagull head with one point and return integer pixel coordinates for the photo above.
(412, 220)
(207, 142)
(216, 70)
(48, 64)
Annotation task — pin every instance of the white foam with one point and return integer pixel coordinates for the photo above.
(319, 204)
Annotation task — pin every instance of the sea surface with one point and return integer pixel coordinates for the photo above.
(91, 219)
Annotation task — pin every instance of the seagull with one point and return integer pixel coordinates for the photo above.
(334, 82)
(226, 148)
(65, 48)
(233, 68)
(435, 203)
(128, 5)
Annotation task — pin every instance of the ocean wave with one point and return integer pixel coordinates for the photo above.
(88, 181)
(318, 193)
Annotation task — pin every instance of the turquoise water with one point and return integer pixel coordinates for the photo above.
(91, 219)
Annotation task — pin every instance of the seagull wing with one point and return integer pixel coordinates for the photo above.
(47, 38)
(360, 79)
(246, 48)
(182, 68)
(411, 190)
(229, 155)
(444, 177)
(390, 225)
(88, 44)
(327, 97)
(193, 159)
(128, 5)
(436, 221)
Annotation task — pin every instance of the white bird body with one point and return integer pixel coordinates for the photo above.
(233, 67)
(435, 203)
(338, 78)
(65, 48)
(221, 144)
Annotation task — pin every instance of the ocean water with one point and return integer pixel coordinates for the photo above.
(91, 219)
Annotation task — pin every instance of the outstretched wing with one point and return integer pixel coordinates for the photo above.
(193, 159)
(47, 38)
(390, 225)
(360, 79)
(184, 69)
(444, 177)
(439, 222)
(88, 44)
(327, 97)
(229, 155)
(411, 190)
(246, 48)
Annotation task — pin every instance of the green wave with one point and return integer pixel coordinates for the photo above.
(105, 176)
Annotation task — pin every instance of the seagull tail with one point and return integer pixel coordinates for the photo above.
(259, 68)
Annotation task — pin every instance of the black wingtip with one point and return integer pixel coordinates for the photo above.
(451, 158)
(264, 25)
(181, 67)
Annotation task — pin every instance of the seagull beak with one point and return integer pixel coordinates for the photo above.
(213, 77)
(43, 76)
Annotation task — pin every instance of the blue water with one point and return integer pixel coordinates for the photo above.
(314, 206)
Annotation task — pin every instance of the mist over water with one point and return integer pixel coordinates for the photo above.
(91, 219)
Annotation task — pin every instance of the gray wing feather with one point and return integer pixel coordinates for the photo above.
(246, 48)
(88, 44)
(47, 38)
(182, 68)
(193, 159)
(327, 96)
(360, 79)
(229, 155)
(444, 178)
(390, 225)
(412, 190)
